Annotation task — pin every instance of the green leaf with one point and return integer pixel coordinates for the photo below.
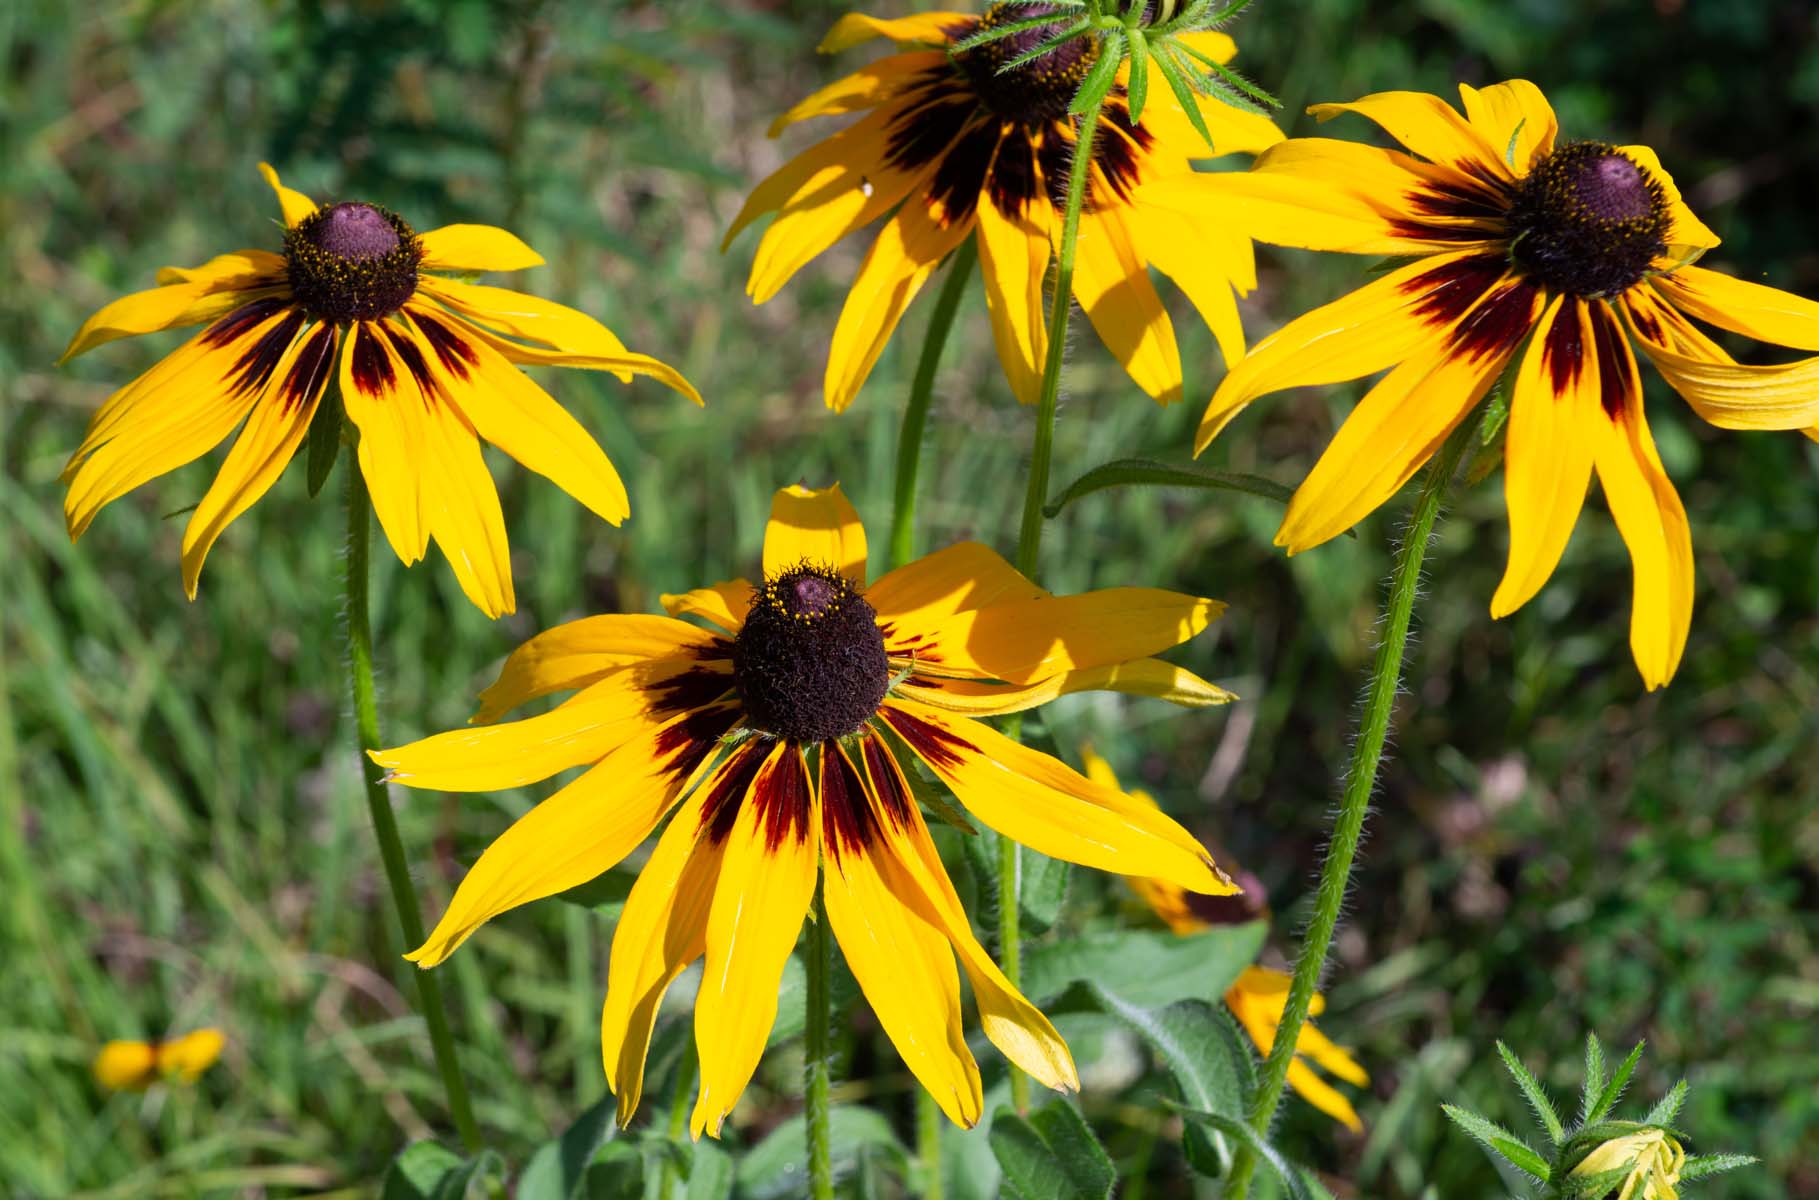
(777, 1166)
(555, 1171)
(1500, 1140)
(1668, 1107)
(1053, 1155)
(1103, 74)
(1613, 1090)
(617, 1173)
(1243, 1134)
(792, 1003)
(1143, 472)
(324, 439)
(1701, 1165)
(1594, 1077)
(1041, 888)
(1198, 1042)
(1137, 90)
(1537, 1098)
(710, 1173)
(471, 1178)
(1152, 967)
(418, 1171)
(1173, 74)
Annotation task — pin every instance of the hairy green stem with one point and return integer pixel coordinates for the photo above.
(1360, 780)
(816, 1035)
(379, 804)
(928, 1143)
(922, 389)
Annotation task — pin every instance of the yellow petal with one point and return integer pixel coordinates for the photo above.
(1547, 454)
(818, 526)
(187, 1057)
(1112, 283)
(171, 307)
(767, 878)
(1207, 259)
(1319, 1093)
(271, 436)
(725, 604)
(382, 399)
(898, 954)
(909, 247)
(475, 248)
(1724, 392)
(1013, 259)
(579, 653)
(1687, 235)
(1514, 118)
(126, 1066)
(294, 204)
(1428, 126)
(239, 270)
(461, 508)
(1764, 313)
(989, 698)
(1041, 802)
(583, 830)
(917, 597)
(867, 87)
(855, 28)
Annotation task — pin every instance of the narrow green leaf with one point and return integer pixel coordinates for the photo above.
(1537, 1098)
(1172, 74)
(1137, 89)
(1103, 74)
(555, 1171)
(1242, 1133)
(1053, 1155)
(1594, 1077)
(324, 440)
(1613, 1090)
(1499, 1140)
(995, 33)
(1701, 1165)
(1143, 472)
(1668, 1107)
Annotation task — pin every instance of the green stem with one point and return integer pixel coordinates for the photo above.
(928, 1143)
(915, 416)
(378, 801)
(678, 1116)
(815, 1081)
(1360, 780)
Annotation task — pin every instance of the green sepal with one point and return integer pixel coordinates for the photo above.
(1537, 1098)
(1499, 1141)
(1701, 1165)
(1104, 73)
(1137, 89)
(324, 440)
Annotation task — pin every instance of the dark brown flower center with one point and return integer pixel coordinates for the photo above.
(809, 661)
(1040, 90)
(1588, 220)
(352, 262)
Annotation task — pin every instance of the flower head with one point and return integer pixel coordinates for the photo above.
(1652, 1156)
(778, 731)
(961, 146)
(1259, 994)
(135, 1066)
(428, 367)
(1581, 250)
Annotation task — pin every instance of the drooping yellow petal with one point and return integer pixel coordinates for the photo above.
(867, 87)
(988, 698)
(899, 955)
(1547, 452)
(1428, 126)
(725, 604)
(475, 248)
(270, 437)
(1514, 118)
(1257, 998)
(461, 508)
(1687, 235)
(1014, 254)
(1764, 313)
(814, 525)
(578, 653)
(1404, 419)
(294, 204)
(383, 401)
(1041, 802)
(1025, 640)
(856, 28)
(767, 879)
(917, 597)
(907, 250)
(1210, 261)
(583, 830)
(1112, 283)
(1724, 392)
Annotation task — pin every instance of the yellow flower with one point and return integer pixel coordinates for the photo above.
(964, 149)
(1654, 1160)
(1585, 246)
(135, 1066)
(1259, 994)
(780, 726)
(427, 366)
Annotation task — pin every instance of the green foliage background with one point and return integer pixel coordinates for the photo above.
(181, 834)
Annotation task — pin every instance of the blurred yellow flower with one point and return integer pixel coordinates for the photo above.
(780, 727)
(427, 367)
(1259, 994)
(1654, 1160)
(135, 1066)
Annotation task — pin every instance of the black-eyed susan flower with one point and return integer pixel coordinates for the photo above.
(1259, 994)
(134, 1066)
(781, 726)
(427, 367)
(959, 149)
(1582, 250)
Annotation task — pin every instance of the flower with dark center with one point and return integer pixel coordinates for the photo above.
(428, 368)
(778, 731)
(1551, 262)
(949, 147)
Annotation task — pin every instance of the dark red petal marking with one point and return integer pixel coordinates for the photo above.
(259, 360)
(848, 823)
(1646, 324)
(960, 177)
(1563, 353)
(1448, 292)
(412, 358)
(1117, 147)
(936, 745)
(452, 350)
(370, 365)
(240, 320)
(1497, 325)
(1616, 366)
(696, 687)
(887, 783)
(720, 810)
(1013, 181)
(783, 795)
(697, 734)
(310, 368)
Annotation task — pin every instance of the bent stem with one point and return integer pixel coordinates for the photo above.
(815, 1072)
(378, 801)
(1360, 780)
(922, 389)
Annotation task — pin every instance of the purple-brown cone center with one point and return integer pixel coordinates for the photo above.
(352, 262)
(355, 231)
(809, 662)
(1588, 220)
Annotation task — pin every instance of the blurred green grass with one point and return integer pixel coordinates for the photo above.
(182, 836)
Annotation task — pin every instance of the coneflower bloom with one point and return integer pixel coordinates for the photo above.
(1259, 994)
(1579, 249)
(780, 725)
(427, 367)
(133, 1066)
(959, 149)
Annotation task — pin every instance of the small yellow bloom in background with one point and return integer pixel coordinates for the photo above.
(1654, 1159)
(427, 367)
(1259, 994)
(135, 1066)
(778, 730)
(960, 148)
(1579, 250)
